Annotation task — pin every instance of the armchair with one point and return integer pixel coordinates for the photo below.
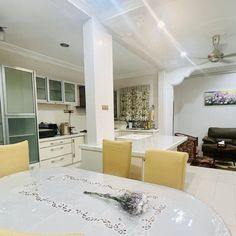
(189, 146)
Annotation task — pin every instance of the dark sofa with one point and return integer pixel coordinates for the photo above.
(215, 135)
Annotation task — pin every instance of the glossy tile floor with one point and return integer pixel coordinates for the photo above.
(217, 188)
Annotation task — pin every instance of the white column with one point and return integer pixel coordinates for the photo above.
(166, 83)
(98, 71)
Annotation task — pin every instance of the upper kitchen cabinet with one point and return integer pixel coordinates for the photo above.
(81, 96)
(55, 91)
(69, 93)
(19, 91)
(42, 89)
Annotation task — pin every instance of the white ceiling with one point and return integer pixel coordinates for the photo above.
(40, 25)
(189, 26)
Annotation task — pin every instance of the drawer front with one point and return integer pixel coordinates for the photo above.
(57, 161)
(54, 143)
(54, 151)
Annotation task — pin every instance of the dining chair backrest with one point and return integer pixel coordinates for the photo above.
(6, 232)
(165, 167)
(14, 158)
(116, 157)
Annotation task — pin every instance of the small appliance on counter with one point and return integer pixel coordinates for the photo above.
(64, 128)
(47, 130)
(72, 130)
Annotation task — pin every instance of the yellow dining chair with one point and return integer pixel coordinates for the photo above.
(165, 168)
(116, 157)
(14, 158)
(6, 232)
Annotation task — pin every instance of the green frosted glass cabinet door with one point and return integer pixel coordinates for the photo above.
(55, 91)
(19, 91)
(19, 111)
(69, 92)
(41, 84)
(1, 125)
(21, 129)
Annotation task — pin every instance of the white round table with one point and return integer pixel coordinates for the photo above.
(52, 200)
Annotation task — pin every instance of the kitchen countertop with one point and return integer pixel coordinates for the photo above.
(61, 137)
(138, 130)
(139, 146)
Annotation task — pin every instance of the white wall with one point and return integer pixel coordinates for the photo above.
(51, 113)
(191, 116)
(142, 80)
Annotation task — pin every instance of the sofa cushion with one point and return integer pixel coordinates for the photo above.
(209, 140)
(213, 149)
(227, 140)
(228, 133)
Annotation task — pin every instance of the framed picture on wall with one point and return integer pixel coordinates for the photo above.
(222, 97)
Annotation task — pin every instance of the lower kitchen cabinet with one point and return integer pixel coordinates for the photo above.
(76, 149)
(63, 151)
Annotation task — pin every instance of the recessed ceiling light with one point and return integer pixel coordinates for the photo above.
(183, 54)
(161, 24)
(64, 45)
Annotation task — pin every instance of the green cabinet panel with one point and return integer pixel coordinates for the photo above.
(19, 91)
(18, 120)
(41, 84)
(33, 146)
(1, 125)
(55, 91)
(69, 92)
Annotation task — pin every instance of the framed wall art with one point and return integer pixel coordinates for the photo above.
(222, 97)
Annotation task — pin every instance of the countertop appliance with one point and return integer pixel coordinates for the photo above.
(64, 128)
(47, 130)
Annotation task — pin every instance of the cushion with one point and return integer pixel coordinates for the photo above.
(229, 133)
(227, 140)
(209, 140)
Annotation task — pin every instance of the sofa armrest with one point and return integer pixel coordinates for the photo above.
(209, 140)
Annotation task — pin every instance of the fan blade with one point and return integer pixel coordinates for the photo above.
(202, 63)
(230, 55)
(198, 58)
(226, 61)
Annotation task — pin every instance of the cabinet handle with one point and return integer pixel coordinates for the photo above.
(55, 149)
(53, 143)
(54, 161)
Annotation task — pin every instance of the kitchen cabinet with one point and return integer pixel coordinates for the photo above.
(69, 93)
(42, 89)
(18, 109)
(60, 151)
(82, 97)
(1, 121)
(55, 91)
(76, 148)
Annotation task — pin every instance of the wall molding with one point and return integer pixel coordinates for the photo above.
(38, 56)
(214, 70)
(135, 74)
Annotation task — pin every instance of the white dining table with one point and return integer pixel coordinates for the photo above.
(53, 200)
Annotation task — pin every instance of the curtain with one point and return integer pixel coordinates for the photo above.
(134, 103)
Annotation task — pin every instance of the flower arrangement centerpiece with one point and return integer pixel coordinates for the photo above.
(132, 202)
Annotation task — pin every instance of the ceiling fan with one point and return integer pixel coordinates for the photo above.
(217, 54)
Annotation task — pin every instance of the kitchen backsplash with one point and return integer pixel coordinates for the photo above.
(52, 113)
